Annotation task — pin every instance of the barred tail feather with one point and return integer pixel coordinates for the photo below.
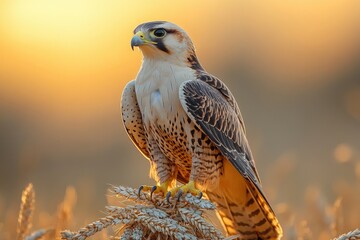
(248, 220)
(263, 217)
(244, 210)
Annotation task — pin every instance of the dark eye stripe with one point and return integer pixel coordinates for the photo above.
(160, 45)
(171, 31)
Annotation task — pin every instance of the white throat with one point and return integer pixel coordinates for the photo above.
(152, 54)
(157, 87)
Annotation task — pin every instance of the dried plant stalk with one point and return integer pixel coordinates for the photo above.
(130, 193)
(26, 212)
(91, 228)
(153, 218)
(65, 212)
(353, 235)
(338, 220)
(143, 218)
(207, 230)
(37, 234)
(167, 227)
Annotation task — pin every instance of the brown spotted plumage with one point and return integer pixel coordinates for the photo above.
(189, 126)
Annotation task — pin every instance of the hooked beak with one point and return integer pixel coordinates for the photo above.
(139, 39)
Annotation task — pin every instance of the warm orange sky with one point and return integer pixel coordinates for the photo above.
(55, 45)
(66, 61)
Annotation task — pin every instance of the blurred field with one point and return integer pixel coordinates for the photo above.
(293, 66)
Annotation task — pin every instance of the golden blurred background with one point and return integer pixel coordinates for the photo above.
(293, 66)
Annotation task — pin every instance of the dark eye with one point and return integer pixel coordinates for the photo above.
(160, 32)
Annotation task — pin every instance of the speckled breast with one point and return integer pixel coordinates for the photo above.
(172, 139)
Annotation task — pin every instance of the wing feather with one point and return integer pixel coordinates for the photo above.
(132, 118)
(211, 110)
(212, 107)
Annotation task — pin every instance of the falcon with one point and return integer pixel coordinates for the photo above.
(187, 123)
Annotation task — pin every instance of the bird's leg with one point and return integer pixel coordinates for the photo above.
(189, 187)
(161, 170)
(184, 189)
(159, 188)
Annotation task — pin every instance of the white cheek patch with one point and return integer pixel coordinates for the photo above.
(172, 43)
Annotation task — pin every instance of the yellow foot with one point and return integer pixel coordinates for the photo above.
(187, 188)
(160, 188)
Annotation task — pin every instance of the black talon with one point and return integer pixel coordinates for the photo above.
(152, 191)
(179, 194)
(139, 191)
(200, 195)
(168, 197)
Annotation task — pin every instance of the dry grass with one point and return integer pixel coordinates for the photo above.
(26, 212)
(140, 217)
(353, 235)
(27, 207)
(155, 218)
(61, 221)
(65, 212)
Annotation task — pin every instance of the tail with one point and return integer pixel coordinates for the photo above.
(252, 220)
(244, 210)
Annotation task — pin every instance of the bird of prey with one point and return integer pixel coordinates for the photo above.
(187, 123)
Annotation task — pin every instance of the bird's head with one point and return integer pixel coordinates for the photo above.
(164, 41)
